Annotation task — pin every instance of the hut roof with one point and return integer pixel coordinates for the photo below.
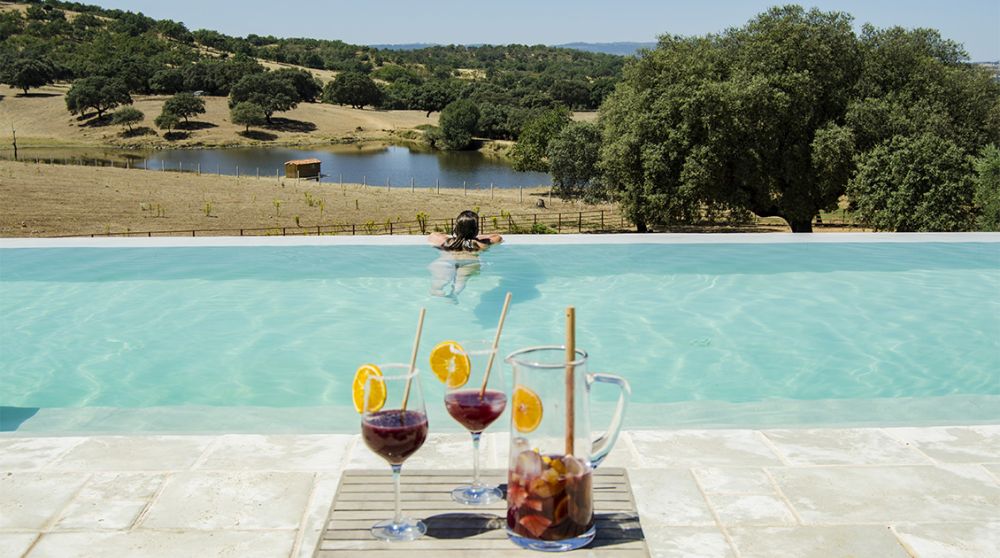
(303, 162)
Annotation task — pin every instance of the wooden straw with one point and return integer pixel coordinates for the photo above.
(496, 342)
(570, 358)
(413, 357)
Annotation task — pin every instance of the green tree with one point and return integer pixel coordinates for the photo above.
(247, 114)
(167, 121)
(458, 123)
(184, 105)
(354, 89)
(749, 120)
(99, 93)
(987, 189)
(268, 91)
(127, 117)
(436, 94)
(529, 151)
(306, 85)
(573, 157)
(28, 73)
(911, 184)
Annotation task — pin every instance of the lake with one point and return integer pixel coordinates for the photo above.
(374, 164)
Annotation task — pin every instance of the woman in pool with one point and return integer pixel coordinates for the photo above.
(460, 254)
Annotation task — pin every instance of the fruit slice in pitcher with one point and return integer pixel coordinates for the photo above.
(527, 409)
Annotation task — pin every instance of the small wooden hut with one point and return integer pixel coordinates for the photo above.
(302, 168)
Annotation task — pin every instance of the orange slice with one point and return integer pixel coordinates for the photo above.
(527, 409)
(376, 391)
(451, 364)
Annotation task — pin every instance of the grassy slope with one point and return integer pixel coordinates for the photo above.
(50, 200)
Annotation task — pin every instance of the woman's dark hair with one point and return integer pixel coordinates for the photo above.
(466, 228)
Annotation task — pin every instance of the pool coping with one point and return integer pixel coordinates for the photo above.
(526, 239)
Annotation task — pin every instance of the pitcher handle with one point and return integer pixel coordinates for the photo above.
(602, 446)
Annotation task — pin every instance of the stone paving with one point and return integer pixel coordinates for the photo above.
(878, 492)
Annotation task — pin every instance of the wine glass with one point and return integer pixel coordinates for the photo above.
(475, 404)
(394, 426)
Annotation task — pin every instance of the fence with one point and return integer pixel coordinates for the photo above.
(538, 223)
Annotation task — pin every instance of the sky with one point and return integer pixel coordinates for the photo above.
(974, 23)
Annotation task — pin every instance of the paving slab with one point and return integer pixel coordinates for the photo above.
(16, 544)
(32, 500)
(703, 448)
(837, 446)
(110, 501)
(324, 490)
(671, 541)
(846, 495)
(720, 480)
(960, 444)
(165, 544)
(133, 453)
(230, 500)
(670, 497)
(33, 454)
(955, 540)
(277, 453)
(854, 541)
(751, 509)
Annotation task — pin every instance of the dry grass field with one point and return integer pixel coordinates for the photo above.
(58, 200)
(41, 119)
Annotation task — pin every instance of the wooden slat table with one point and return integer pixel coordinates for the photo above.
(453, 530)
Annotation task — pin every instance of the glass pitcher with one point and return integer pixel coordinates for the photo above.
(550, 501)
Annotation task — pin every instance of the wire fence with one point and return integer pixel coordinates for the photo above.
(591, 221)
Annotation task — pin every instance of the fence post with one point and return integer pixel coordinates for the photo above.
(258, 173)
(602, 219)
(520, 194)
(387, 184)
(241, 232)
(390, 228)
(579, 223)
(465, 189)
(163, 166)
(491, 190)
(192, 233)
(180, 166)
(437, 184)
(237, 171)
(411, 184)
(199, 169)
(317, 230)
(283, 231)
(128, 163)
(559, 226)
(535, 220)
(364, 181)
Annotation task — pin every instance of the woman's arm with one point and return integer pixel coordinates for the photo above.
(437, 239)
(490, 238)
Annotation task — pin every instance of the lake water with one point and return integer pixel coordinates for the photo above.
(371, 164)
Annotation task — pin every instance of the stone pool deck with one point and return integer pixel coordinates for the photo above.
(872, 492)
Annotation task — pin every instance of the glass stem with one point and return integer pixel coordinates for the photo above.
(476, 483)
(398, 518)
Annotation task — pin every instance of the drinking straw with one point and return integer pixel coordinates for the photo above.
(570, 357)
(496, 342)
(413, 357)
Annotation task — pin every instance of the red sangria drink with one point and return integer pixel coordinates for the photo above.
(474, 411)
(473, 397)
(394, 435)
(393, 426)
(549, 498)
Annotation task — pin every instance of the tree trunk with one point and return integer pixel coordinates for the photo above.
(640, 226)
(801, 225)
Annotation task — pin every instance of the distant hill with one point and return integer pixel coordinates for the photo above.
(620, 49)
(617, 49)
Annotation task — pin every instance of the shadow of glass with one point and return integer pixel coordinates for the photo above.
(462, 525)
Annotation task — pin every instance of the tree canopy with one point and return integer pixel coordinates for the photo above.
(28, 73)
(99, 93)
(271, 92)
(529, 153)
(127, 117)
(354, 89)
(573, 157)
(184, 105)
(458, 123)
(247, 114)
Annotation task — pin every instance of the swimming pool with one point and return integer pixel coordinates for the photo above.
(710, 330)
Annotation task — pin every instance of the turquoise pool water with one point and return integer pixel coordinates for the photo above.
(267, 337)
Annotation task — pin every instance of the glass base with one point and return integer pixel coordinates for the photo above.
(481, 496)
(406, 530)
(553, 546)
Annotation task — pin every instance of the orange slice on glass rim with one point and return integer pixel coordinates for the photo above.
(376, 391)
(450, 364)
(527, 409)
